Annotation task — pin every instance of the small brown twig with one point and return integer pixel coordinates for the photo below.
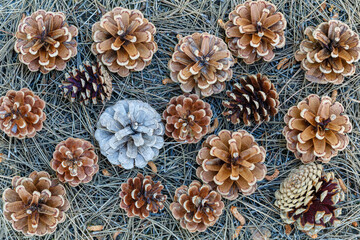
(288, 229)
(95, 228)
(334, 94)
(214, 126)
(166, 81)
(342, 185)
(221, 23)
(106, 173)
(153, 167)
(240, 218)
(273, 176)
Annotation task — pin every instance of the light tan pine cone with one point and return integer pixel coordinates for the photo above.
(328, 52)
(231, 162)
(21, 113)
(124, 41)
(75, 161)
(36, 204)
(197, 207)
(45, 41)
(187, 118)
(141, 196)
(316, 129)
(253, 31)
(201, 61)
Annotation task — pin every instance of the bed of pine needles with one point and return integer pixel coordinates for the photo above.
(97, 203)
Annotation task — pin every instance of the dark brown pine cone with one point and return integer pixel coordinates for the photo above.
(254, 98)
(187, 118)
(141, 196)
(36, 204)
(90, 82)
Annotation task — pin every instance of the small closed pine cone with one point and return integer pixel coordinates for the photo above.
(308, 198)
(21, 113)
(197, 207)
(316, 129)
(45, 41)
(231, 162)
(75, 161)
(254, 98)
(90, 82)
(253, 31)
(329, 52)
(141, 196)
(187, 118)
(124, 41)
(201, 61)
(35, 204)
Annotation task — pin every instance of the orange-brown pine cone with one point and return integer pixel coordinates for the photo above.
(197, 206)
(201, 61)
(141, 196)
(21, 113)
(231, 162)
(187, 118)
(329, 52)
(316, 129)
(124, 41)
(35, 204)
(45, 41)
(253, 31)
(75, 161)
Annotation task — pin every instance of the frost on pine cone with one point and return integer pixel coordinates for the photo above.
(124, 41)
(35, 204)
(329, 52)
(75, 161)
(201, 61)
(141, 196)
(253, 31)
(255, 97)
(316, 129)
(88, 83)
(308, 198)
(231, 162)
(21, 113)
(130, 133)
(196, 207)
(187, 118)
(45, 41)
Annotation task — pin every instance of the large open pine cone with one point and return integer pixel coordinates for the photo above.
(329, 52)
(124, 41)
(187, 118)
(36, 204)
(231, 162)
(316, 129)
(197, 206)
(201, 61)
(254, 29)
(75, 161)
(21, 113)
(308, 198)
(141, 196)
(130, 133)
(45, 41)
(254, 98)
(88, 83)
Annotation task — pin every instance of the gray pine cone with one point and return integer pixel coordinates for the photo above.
(130, 133)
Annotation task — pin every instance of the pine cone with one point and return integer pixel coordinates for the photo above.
(201, 61)
(253, 31)
(21, 113)
(232, 162)
(187, 118)
(45, 41)
(124, 41)
(141, 196)
(91, 82)
(254, 98)
(307, 198)
(329, 52)
(316, 129)
(197, 206)
(75, 161)
(130, 133)
(36, 204)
